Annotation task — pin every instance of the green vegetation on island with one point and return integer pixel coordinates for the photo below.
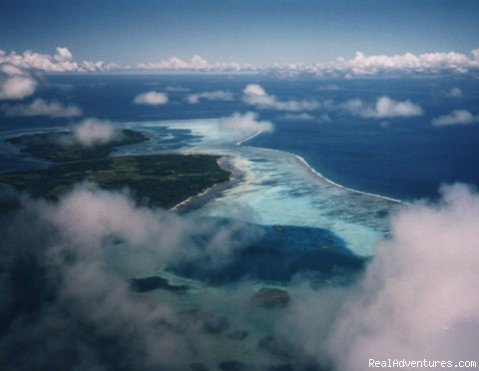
(154, 180)
(61, 147)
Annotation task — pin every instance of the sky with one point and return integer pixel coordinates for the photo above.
(261, 32)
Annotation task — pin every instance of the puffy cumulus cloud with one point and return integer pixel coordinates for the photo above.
(244, 123)
(255, 95)
(61, 61)
(196, 63)
(417, 300)
(384, 107)
(210, 95)
(456, 117)
(63, 54)
(41, 107)
(17, 71)
(91, 131)
(62, 302)
(151, 98)
(362, 65)
(15, 83)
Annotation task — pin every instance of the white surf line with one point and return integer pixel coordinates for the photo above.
(209, 189)
(313, 170)
(244, 140)
(317, 173)
(187, 200)
(327, 180)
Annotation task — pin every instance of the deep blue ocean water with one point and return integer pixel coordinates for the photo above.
(404, 158)
(312, 231)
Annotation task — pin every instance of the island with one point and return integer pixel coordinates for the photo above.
(155, 180)
(59, 146)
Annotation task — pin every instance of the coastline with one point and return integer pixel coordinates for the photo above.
(198, 200)
(312, 170)
(224, 162)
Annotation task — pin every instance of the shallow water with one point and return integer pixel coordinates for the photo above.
(277, 188)
(309, 225)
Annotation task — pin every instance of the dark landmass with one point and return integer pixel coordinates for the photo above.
(271, 298)
(156, 180)
(61, 146)
(154, 283)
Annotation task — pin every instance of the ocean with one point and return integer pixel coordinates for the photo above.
(321, 190)
(404, 158)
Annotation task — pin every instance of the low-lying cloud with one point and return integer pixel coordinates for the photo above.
(225, 95)
(63, 303)
(244, 123)
(151, 98)
(256, 95)
(408, 63)
(61, 61)
(41, 107)
(384, 107)
(417, 300)
(15, 83)
(91, 131)
(456, 117)
(361, 65)
(196, 63)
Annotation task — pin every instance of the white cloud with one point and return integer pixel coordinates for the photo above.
(63, 54)
(15, 83)
(61, 61)
(40, 107)
(92, 131)
(17, 87)
(244, 123)
(210, 95)
(17, 70)
(384, 107)
(196, 63)
(418, 298)
(362, 65)
(454, 93)
(255, 95)
(79, 299)
(456, 117)
(151, 98)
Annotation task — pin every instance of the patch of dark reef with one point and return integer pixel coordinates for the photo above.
(152, 283)
(281, 254)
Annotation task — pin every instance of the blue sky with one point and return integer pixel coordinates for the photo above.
(259, 32)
